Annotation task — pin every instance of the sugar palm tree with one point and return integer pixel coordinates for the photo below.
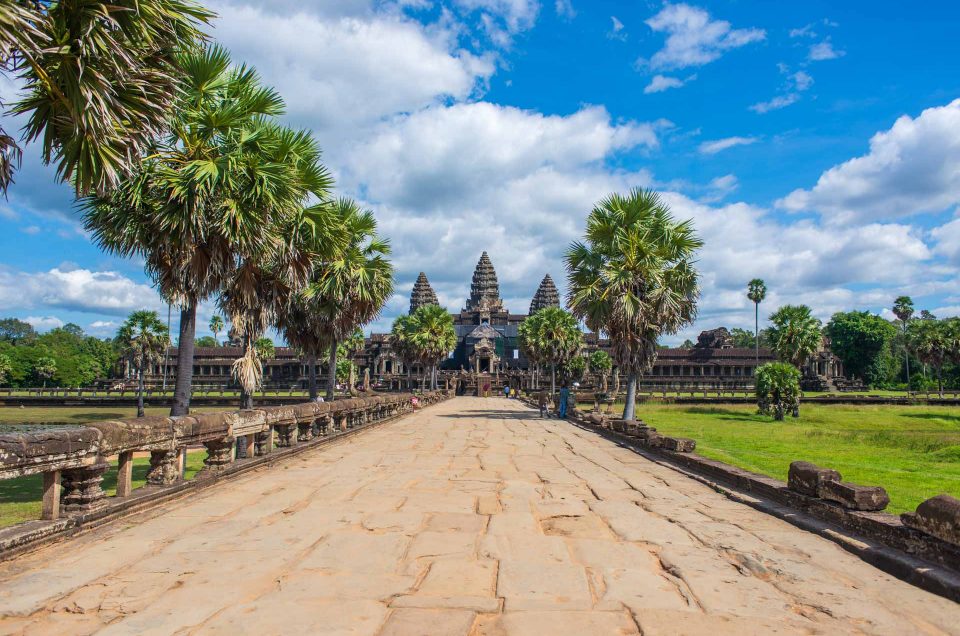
(401, 342)
(216, 326)
(351, 287)
(142, 339)
(527, 336)
(931, 342)
(796, 334)
(100, 79)
(903, 310)
(432, 336)
(555, 336)
(45, 368)
(180, 209)
(634, 279)
(756, 292)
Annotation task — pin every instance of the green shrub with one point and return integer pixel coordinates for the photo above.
(778, 389)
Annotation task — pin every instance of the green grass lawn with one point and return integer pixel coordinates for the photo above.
(912, 451)
(80, 414)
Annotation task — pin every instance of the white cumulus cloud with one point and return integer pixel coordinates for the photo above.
(694, 38)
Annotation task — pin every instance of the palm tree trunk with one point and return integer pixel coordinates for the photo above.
(756, 329)
(906, 357)
(246, 398)
(940, 380)
(312, 376)
(629, 408)
(140, 411)
(553, 378)
(433, 377)
(184, 382)
(332, 371)
(409, 377)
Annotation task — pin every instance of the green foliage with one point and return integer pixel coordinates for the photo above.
(205, 341)
(777, 389)
(600, 362)
(686, 344)
(16, 331)
(78, 359)
(795, 334)
(576, 367)
(216, 326)
(431, 334)
(863, 341)
(745, 339)
(903, 309)
(756, 291)
(265, 348)
(551, 336)
(5, 367)
(44, 369)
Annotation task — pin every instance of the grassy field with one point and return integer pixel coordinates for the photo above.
(912, 451)
(79, 414)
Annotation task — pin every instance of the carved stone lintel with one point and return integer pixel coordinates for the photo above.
(219, 456)
(81, 488)
(164, 468)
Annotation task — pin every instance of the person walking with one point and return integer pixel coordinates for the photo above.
(564, 400)
(543, 403)
(506, 391)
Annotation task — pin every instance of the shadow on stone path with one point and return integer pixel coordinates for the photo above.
(472, 517)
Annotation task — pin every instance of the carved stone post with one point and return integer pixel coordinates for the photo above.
(260, 443)
(51, 496)
(164, 467)
(285, 435)
(304, 431)
(219, 456)
(81, 488)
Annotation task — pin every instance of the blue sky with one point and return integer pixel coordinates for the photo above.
(815, 144)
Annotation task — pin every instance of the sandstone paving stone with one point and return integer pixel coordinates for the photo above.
(460, 520)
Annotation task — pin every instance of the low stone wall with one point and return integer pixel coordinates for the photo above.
(73, 461)
(922, 548)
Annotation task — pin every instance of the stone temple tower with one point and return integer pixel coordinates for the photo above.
(484, 290)
(546, 296)
(422, 294)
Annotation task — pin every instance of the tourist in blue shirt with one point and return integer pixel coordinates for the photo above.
(564, 399)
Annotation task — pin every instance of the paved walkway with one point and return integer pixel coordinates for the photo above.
(473, 517)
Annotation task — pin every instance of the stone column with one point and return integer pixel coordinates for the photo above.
(51, 496)
(81, 488)
(219, 456)
(125, 474)
(164, 467)
(304, 431)
(285, 435)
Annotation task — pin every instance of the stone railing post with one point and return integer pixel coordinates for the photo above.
(125, 474)
(304, 431)
(285, 435)
(164, 467)
(219, 456)
(81, 488)
(51, 496)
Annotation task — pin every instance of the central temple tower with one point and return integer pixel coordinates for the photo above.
(484, 305)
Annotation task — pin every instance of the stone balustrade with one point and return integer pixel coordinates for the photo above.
(73, 461)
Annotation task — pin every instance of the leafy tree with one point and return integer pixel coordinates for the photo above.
(16, 331)
(601, 363)
(142, 339)
(554, 335)
(45, 368)
(432, 337)
(686, 344)
(350, 288)
(185, 208)
(5, 367)
(100, 79)
(903, 310)
(931, 342)
(216, 326)
(634, 279)
(205, 341)
(862, 340)
(401, 341)
(576, 367)
(756, 292)
(778, 389)
(927, 315)
(795, 334)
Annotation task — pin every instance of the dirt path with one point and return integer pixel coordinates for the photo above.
(472, 517)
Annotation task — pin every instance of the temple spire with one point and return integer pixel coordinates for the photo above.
(546, 296)
(422, 294)
(484, 290)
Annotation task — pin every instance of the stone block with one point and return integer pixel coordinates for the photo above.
(806, 478)
(938, 516)
(679, 444)
(854, 497)
(653, 439)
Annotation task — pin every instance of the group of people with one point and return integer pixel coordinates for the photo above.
(562, 402)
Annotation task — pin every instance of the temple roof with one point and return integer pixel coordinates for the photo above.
(484, 331)
(422, 294)
(546, 296)
(484, 290)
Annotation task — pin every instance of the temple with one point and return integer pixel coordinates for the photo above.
(488, 343)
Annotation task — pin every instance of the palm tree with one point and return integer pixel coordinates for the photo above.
(180, 210)
(100, 80)
(45, 368)
(556, 337)
(432, 336)
(756, 292)
(634, 279)
(302, 330)
(903, 310)
(216, 326)
(527, 335)
(142, 339)
(401, 341)
(932, 342)
(796, 334)
(351, 287)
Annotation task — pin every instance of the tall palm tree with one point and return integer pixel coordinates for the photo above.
(352, 286)
(931, 342)
(527, 336)
(756, 292)
(634, 279)
(432, 336)
(100, 80)
(180, 211)
(142, 339)
(401, 342)
(216, 326)
(45, 368)
(555, 336)
(903, 310)
(796, 334)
